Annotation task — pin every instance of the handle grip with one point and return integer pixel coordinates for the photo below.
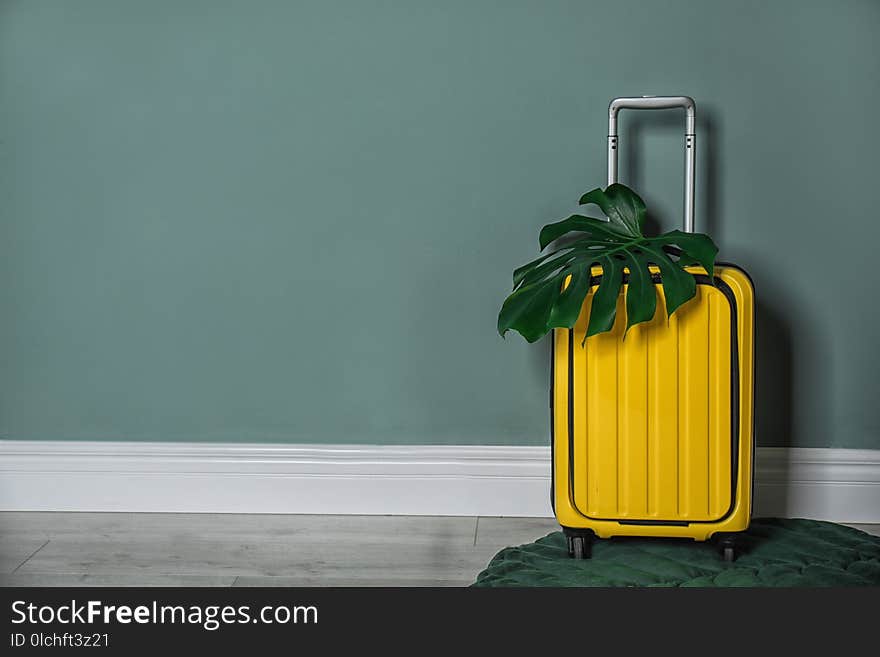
(690, 141)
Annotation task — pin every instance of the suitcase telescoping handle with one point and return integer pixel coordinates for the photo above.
(690, 141)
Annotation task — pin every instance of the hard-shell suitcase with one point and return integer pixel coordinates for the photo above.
(653, 435)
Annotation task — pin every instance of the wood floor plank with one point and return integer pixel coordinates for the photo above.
(347, 548)
(325, 581)
(14, 550)
(121, 580)
(307, 556)
(330, 528)
(504, 532)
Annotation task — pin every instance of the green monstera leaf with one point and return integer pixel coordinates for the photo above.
(540, 302)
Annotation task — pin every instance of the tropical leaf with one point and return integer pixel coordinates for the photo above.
(549, 292)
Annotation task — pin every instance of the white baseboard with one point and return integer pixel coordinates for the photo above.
(832, 484)
(827, 484)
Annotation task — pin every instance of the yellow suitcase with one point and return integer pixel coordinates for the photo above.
(652, 435)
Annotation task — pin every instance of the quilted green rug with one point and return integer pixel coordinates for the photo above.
(773, 552)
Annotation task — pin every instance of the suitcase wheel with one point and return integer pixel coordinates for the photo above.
(579, 544)
(728, 548)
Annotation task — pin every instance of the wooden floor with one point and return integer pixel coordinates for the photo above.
(144, 549)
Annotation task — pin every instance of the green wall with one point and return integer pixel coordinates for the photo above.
(295, 221)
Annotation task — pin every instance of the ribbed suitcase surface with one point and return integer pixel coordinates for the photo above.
(652, 415)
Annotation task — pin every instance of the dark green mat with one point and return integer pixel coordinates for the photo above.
(774, 552)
